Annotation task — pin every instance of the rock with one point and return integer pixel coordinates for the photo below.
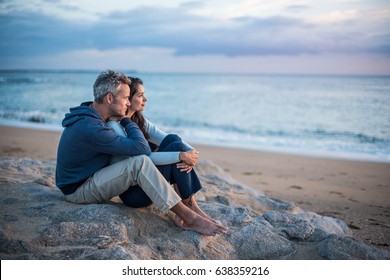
(303, 225)
(335, 248)
(37, 223)
(259, 241)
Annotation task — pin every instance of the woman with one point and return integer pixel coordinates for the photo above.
(173, 157)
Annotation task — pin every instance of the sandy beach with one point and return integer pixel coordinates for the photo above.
(354, 191)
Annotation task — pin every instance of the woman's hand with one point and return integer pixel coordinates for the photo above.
(190, 157)
(184, 167)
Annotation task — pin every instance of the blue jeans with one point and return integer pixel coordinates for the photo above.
(188, 183)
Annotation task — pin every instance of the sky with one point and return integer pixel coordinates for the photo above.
(224, 36)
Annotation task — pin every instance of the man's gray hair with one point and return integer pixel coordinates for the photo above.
(108, 81)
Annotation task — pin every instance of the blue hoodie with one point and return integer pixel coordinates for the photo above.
(87, 144)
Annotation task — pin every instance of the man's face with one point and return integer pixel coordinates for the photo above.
(120, 103)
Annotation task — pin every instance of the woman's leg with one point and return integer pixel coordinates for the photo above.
(169, 139)
(187, 183)
(135, 197)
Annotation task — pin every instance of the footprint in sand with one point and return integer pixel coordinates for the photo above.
(376, 206)
(353, 226)
(330, 213)
(13, 150)
(296, 187)
(251, 173)
(353, 200)
(374, 222)
(337, 193)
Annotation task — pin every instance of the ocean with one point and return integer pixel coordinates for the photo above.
(315, 115)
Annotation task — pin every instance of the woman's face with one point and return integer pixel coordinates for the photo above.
(138, 100)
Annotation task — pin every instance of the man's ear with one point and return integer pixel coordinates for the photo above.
(109, 98)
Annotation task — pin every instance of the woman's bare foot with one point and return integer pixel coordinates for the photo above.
(202, 226)
(189, 220)
(193, 205)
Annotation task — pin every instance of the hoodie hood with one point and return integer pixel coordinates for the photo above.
(78, 113)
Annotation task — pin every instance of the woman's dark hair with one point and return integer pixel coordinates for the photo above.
(137, 117)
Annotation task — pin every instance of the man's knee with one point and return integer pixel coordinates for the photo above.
(140, 160)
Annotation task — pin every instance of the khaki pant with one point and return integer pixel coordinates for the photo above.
(118, 177)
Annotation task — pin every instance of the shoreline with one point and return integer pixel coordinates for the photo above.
(354, 191)
(339, 155)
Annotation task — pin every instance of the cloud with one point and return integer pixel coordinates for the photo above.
(188, 34)
(182, 32)
(34, 34)
(297, 8)
(145, 59)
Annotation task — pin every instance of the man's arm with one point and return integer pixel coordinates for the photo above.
(108, 141)
(190, 157)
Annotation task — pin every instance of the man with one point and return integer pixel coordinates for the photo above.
(83, 172)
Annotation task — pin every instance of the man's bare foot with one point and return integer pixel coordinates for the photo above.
(178, 221)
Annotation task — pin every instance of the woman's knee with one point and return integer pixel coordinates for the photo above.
(170, 138)
(172, 143)
(135, 197)
(131, 202)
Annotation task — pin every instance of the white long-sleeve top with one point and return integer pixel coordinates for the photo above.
(156, 137)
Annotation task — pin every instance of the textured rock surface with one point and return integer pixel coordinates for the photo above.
(37, 223)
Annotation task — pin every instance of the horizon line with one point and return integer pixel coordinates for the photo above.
(187, 72)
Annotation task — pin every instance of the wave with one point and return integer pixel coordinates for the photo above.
(25, 80)
(347, 135)
(319, 134)
(356, 145)
(225, 132)
(40, 76)
(31, 116)
(177, 122)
